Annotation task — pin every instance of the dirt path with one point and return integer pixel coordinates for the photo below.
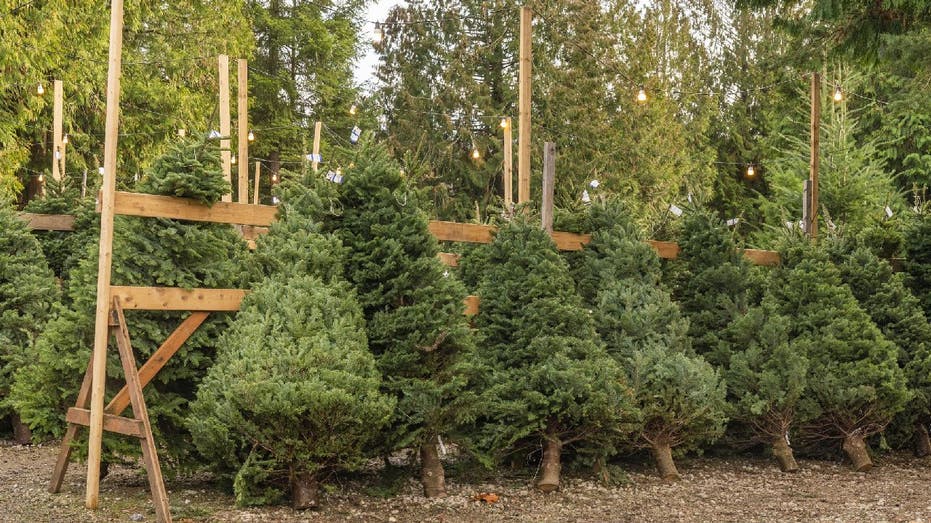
(898, 489)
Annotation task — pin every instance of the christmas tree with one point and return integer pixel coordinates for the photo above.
(413, 308)
(918, 259)
(855, 385)
(146, 252)
(28, 294)
(540, 373)
(680, 396)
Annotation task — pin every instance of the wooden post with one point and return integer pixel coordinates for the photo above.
(524, 92)
(108, 190)
(58, 150)
(508, 165)
(815, 151)
(806, 206)
(225, 153)
(255, 193)
(242, 116)
(549, 179)
(317, 128)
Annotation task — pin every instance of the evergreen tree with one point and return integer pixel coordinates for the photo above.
(146, 252)
(540, 373)
(294, 395)
(413, 310)
(855, 385)
(680, 396)
(712, 282)
(898, 314)
(27, 296)
(918, 259)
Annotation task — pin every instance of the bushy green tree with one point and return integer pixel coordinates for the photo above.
(898, 314)
(414, 310)
(918, 259)
(767, 375)
(28, 294)
(541, 375)
(146, 252)
(855, 385)
(711, 281)
(680, 396)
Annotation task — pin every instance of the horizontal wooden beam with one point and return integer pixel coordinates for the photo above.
(111, 423)
(176, 299)
(665, 250)
(462, 232)
(48, 222)
(765, 258)
(449, 259)
(155, 206)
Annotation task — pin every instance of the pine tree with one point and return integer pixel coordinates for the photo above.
(540, 373)
(294, 394)
(898, 314)
(680, 396)
(413, 310)
(855, 385)
(146, 252)
(712, 283)
(767, 376)
(28, 294)
(918, 260)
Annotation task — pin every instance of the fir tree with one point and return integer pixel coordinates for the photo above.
(898, 314)
(27, 295)
(146, 252)
(855, 385)
(540, 372)
(680, 396)
(413, 310)
(918, 260)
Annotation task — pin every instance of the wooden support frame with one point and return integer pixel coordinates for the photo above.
(154, 206)
(48, 222)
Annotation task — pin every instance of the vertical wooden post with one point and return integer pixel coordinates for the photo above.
(317, 128)
(815, 151)
(258, 172)
(242, 117)
(108, 190)
(225, 153)
(508, 165)
(524, 92)
(58, 151)
(549, 182)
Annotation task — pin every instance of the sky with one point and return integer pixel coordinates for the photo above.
(365, 68)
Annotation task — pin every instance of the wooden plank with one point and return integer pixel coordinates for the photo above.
(111, 423)
(58, 151)
(665, 250)
(154, 206)
(760, 257)
(461, 232)
(471, 305)
(549, 185)
(158, 360)
(61, 465)
(48, 222)
(252, 232)
(568, 241)
(223, 65)
(815, 152)
(105, 258)
(508, 165)
(258, 177)
(140, 413)
(177, 299)
(524, 94)
(449, 259)
(318, 126)
(242, 118)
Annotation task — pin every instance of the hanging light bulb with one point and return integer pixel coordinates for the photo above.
(275, 178)
(378, 34)
(641, 96)
(40, 90)
(100, 171)
(504, 123)
(41, 178)
(476, 155)
(751, 172)
(838, 94)
(250, 136)
(64, 139)
(233, 160)
(353, 110)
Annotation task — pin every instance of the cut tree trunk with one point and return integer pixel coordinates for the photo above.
(784, 456)
(662, 453)
(549, 469)
(305, 491)
(431, 470)
(922, 442)
(855, 447)
(21, 432)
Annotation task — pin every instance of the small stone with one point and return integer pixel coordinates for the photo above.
(136, 517)
(392, 519)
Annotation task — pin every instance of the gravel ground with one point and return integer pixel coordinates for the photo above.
(712, 489)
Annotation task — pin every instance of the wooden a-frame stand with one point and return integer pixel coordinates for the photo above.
(131, 394)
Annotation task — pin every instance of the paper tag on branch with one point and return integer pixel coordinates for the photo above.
(355, 134)
(675, 210)
(315, 158)
(733, 221)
